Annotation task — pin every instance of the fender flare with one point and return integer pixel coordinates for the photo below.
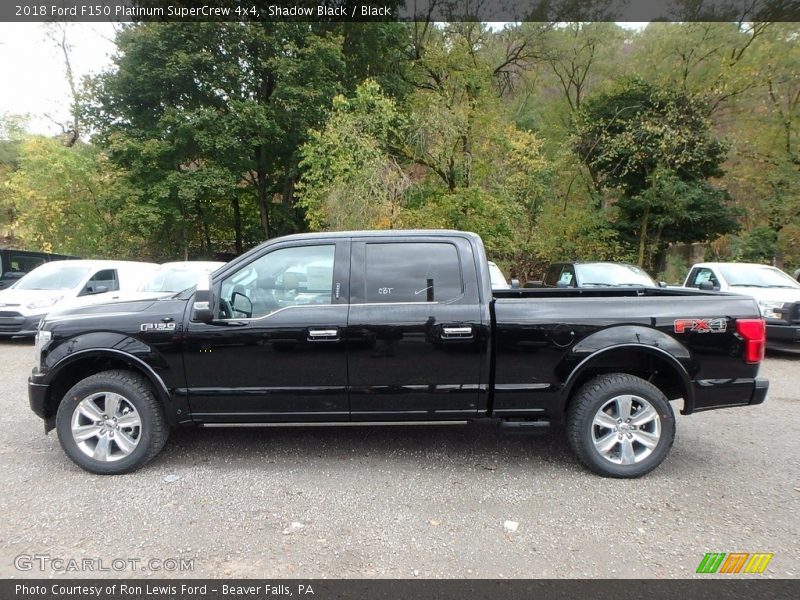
(686, 381)
(138, 364)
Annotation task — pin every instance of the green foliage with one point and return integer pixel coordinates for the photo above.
(675, 270)
(350, 180)
(552, 140)
(71, 200)
(653, 147)
(759, 245)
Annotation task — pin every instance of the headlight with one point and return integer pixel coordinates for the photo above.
(42, 339)
(44, 303)
(769, 309)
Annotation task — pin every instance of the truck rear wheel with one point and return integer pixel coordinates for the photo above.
(620, 425)
(111, 423)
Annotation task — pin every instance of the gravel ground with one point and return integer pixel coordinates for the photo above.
(406, 501)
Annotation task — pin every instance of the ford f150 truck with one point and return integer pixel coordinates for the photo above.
(393, 326)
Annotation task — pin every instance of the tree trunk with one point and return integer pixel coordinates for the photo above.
(237, 223)
(261, 187)
(203, 227)
(643, 235)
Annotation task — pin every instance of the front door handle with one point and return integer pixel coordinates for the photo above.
(457, 333)
(327, 334)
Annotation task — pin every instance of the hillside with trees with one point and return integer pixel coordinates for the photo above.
(552, 141)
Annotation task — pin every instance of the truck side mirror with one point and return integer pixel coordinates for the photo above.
(662, 284)
(204, 306)
(707, 286)
(515, 284)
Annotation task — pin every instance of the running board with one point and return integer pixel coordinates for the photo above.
(527, 427)
(334, 424)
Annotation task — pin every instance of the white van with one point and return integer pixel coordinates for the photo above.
(65, 284)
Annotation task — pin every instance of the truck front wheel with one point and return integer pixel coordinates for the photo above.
(620, 425)
(111, 423)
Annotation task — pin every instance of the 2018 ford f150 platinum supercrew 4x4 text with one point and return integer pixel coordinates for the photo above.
(393, 326)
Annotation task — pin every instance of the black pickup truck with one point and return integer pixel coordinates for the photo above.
(393, 326)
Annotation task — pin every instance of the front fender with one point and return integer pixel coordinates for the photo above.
(116, 348)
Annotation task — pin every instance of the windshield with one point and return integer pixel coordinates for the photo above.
(497, 278)
(612, 274)
(52, 277)
(174, 279)
(757, 276)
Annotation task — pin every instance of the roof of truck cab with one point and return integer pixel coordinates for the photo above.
(375, 233)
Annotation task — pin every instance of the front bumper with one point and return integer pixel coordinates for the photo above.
(37, 397)
(18, 325)
(783, 337)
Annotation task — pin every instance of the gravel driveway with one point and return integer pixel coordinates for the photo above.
(435, 501)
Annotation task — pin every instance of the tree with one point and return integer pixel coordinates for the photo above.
(12, 133)
(198, 113)
(653, 149)
(350, 179)
(72, 200)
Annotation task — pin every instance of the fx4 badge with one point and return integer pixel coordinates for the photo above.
(719, 325)
(157, 327)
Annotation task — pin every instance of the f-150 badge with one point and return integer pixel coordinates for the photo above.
(719, 325)
(157, 327)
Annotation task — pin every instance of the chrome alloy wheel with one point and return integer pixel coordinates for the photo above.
(106, 426)
(626, 429)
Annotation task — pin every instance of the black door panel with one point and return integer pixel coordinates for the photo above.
(286, 362)
(415, 360)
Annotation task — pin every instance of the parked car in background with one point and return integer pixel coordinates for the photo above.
(173, 277)
(15, 264)
(497, 278)
(596, 274)
(777, 295)
(65, 284)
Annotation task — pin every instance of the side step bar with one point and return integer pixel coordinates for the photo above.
(529, 427)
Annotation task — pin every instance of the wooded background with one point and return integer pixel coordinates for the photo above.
(552, 141)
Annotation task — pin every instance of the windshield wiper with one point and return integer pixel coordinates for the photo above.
(599, 284)
(748, 285)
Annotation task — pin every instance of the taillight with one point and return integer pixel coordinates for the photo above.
(754, 334)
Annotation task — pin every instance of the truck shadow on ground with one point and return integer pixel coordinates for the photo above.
(479, 445)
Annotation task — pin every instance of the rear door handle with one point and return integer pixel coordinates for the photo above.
(450, 333)
(327, 334)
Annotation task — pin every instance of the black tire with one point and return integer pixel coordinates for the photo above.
(581, 430)
(136, 390)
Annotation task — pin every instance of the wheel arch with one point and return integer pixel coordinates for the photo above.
(84, 363)
(653, 364)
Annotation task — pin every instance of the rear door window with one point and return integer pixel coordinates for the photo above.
(412, 272)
